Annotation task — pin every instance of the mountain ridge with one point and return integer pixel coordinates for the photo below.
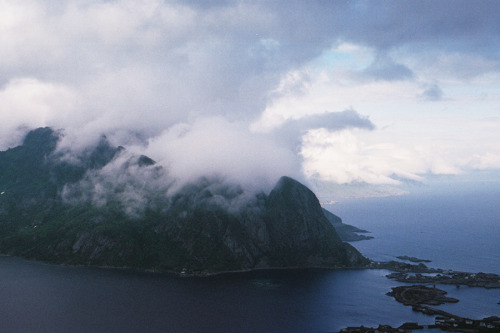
(206, 226)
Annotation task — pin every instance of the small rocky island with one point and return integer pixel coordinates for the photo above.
(420, 294)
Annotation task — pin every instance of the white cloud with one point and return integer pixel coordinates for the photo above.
(446, 147)
(486, 161)
(228, 150)
(28, 103)
(141, 69)
(342, 158)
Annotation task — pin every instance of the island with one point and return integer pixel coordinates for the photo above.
(420, 294)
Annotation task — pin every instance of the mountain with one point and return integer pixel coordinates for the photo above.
(346, 232)
(108, 207)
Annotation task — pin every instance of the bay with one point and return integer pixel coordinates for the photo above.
(47, 298)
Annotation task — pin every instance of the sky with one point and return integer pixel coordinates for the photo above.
(354, 98)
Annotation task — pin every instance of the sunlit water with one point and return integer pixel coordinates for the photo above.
(458, 232)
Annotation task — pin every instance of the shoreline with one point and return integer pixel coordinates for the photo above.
(402, 271)
(187, 274)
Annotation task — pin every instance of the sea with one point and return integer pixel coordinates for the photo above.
(457, 230)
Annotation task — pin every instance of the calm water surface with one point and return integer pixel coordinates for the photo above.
(456, 229)
(37, 297)
(458, 233)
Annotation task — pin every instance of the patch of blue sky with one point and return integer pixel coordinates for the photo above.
(332, 59)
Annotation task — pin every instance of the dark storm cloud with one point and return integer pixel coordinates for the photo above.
(440, 24)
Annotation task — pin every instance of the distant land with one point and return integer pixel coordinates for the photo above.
(346, 232)
(413, 259)
(49, 212)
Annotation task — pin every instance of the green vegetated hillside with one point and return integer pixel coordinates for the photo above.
(105, 207)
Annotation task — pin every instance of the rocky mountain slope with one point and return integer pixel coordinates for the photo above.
(105, 207)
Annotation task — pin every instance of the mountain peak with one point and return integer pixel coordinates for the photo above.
(287, 182)
(43, 139)
(289, 192)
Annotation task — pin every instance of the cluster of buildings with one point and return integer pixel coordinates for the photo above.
(489, 324)
(450, 324)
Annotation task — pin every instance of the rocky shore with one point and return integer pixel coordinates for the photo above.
(483, 280)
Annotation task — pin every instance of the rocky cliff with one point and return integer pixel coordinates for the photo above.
(62, 211)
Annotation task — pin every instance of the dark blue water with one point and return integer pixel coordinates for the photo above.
(44, 298)
(455, 232)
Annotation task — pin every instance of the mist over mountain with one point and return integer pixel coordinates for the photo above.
(109, 206)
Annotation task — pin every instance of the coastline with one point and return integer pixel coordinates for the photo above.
(189, 274)
(402, 272)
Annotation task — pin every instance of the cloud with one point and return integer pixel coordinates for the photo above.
(485, 161)
(290, 133)
(342, 158)
(144, 66)
(458, 25)
(27, 103)
(456, 66)
(216, 147)
(384, 68)
(352, 156)
(124, 181)
(152, 73)
(432, 93)
(332, 121)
